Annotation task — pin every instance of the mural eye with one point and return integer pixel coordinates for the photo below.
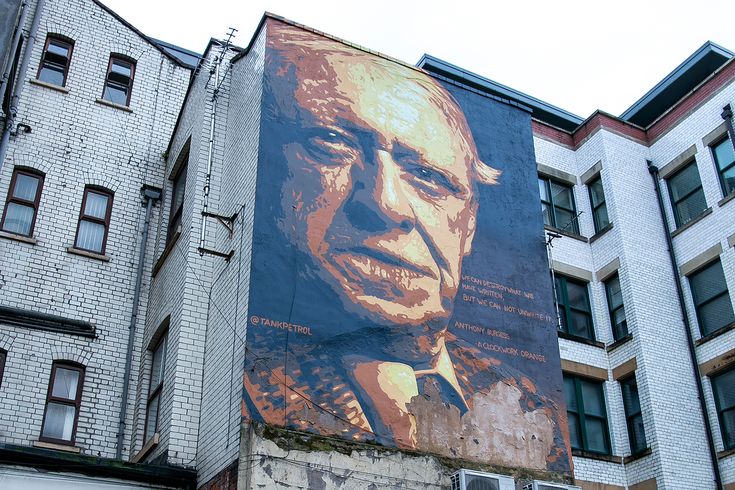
(331, 148)
(431, 181)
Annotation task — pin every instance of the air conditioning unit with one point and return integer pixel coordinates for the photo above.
(476, 480)
(545, 485)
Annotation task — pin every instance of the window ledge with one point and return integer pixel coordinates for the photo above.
(715, 334)
(691, 222)
(87, 253)
(57, 447)
(601, 457)
(554, 229)
(619, 342)
(166, 251)
(18, 238)
(639, 455)
(581, 340)
(724, 454)
(603, 231)
(112, 104)
(40, 83)
(147, 448)
(726, 199)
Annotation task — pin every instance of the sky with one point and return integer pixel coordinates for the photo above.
(577, 55)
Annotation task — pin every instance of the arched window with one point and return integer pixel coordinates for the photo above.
(62, 403)
(94, 220)
(21, 205)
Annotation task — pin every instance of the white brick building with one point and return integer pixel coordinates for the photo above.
(144, 143)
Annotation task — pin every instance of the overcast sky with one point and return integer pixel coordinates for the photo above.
(577, 55)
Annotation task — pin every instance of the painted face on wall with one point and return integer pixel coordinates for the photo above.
(381, 187)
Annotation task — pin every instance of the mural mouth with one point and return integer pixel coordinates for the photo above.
(363, 263)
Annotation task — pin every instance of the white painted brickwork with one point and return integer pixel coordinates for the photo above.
(75, 142)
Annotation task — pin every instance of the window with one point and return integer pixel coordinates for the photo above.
(94, 220)
(55, 61)
(723, 388)
(62, 403)
(158, 367)
(711, 298)
(3, 355)
(119, 80)
(725, 160)
(599, 208)
(633, 416)
(21, 206)
(587, 415)
(177, 200)
(616, 308)
(687, 196)
(557, 205)
(573, 303)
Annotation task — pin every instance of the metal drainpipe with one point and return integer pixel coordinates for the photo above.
(151, 195)
(14, 47)
(653, 170)
(10, 120)
(727, 116)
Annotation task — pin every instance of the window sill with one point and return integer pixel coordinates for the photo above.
(113, 105)
(726, 199)
(166, 252)
(87, 253)
(691, 222)
(18, 238)
(35, 81)
(553, 229)
(639, 455)
(724, 454)
(603, 231)
(715, 334)
(600, 457)
(619, 342)
(57, 447)
(581, 340)
(147, 448)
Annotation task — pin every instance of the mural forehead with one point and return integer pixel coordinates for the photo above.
(399, 291)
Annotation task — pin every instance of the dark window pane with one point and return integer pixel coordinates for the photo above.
(59, 49)
(716, 314)
(728, 179)
(59, 423)
(121, 69)
(708, 282)
(614, 292)
(594, 403)
(597, 195)
(570, 394)
(574, 434)
(691, 207)
(581, 325)
(630, 397)
(684, 182)
(724, 155)
(728, 428)
(562, 196)
(546, 211)
(596, 435)
(157, 366)
(151, 417)
(638, 434)
(620, 325)
(18, 218)
(577, 295)
(601, 218)
(725, 389)
(566, 220)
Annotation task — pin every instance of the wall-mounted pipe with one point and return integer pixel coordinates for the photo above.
(15, 96)
(653, 170)
(151, 195)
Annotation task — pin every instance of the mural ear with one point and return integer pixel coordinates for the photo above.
(471, 225)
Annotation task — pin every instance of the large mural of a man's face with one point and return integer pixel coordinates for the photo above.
(393, 251)
(382, 176)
